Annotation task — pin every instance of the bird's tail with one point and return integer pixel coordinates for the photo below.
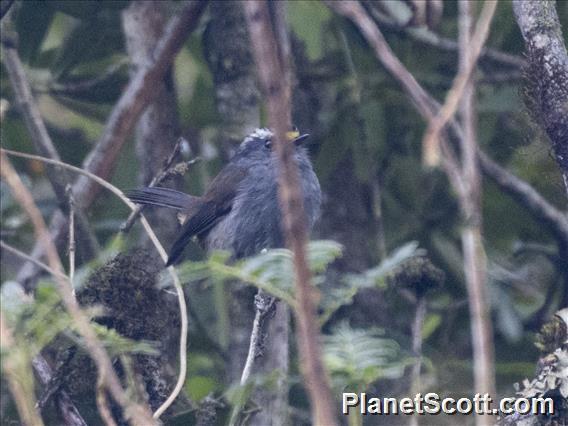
(163, 197)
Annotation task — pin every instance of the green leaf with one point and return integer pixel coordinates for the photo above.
(431, 324)
(358, 357)
(376, 276)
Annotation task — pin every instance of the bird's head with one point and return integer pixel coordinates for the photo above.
(259, 143)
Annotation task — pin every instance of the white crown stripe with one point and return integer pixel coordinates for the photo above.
(260, 133)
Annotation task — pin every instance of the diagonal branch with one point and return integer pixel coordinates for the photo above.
(431, 141)
(427, 106)
(137, 95)
(554, 219)
(136, 413)
(41, 139)
(163, 255)
(426, 36)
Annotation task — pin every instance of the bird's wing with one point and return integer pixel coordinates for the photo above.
(216, 203)
(163, 197)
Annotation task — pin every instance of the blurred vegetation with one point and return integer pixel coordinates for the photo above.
(362, 126)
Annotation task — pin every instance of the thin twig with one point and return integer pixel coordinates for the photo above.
(427, 106)
(137, 413)
(102, 405)
(429, 37)
(42, 141)
(71, 251)
(24, 256)
(264, 306)
(163, 255)
(136, 96)
(169, 169)
(71, 88)
(417, 327)
(431, 141)
(274, 72)
(474, 257)
(24, 398)
(554, 219)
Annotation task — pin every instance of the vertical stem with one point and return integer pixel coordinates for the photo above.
(417, 328)
(273, 65)
(473, 252)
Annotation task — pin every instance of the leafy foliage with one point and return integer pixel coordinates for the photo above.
(358, 357)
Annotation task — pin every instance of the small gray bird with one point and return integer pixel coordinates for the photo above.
(239, 211)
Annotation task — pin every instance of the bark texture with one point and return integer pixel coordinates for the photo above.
(547, 73)
(158, 128)
(227, 50)
(227, 53)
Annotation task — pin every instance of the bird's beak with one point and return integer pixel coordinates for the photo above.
(298, 141)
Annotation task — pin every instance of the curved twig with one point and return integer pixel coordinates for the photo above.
(163, 255)
(138, 413)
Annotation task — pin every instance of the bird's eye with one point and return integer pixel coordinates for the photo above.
(268, 143)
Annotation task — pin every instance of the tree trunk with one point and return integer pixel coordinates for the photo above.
(547, 73)
(157, 129)
(227, 50)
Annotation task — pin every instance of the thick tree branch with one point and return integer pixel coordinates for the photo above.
(273, 65)
(547, 73)
(137, 95)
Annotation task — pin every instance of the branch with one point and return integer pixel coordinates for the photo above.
(163, 255)
(70, 414)
(273, 66)
(24, 256)
(554, 219)
(427, 106)
(547, 73)
(42, 141)
(137, 95)
(426, 36)
(264, 306)
(431, 141)
(5, 7)
(169, 169)
(137, 413)
(23, 396)
(474, 257)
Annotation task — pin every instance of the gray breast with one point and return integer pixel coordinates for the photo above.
(254, 220)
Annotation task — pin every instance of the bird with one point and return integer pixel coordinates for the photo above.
(239, 211)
